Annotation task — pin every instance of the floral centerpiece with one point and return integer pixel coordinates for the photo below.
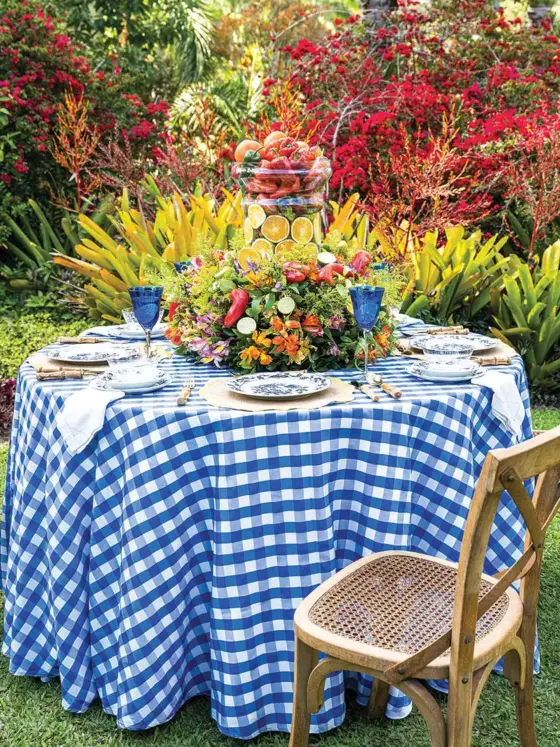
(278, 310)
(279, 297)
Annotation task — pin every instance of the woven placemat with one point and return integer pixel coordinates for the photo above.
(216, 393)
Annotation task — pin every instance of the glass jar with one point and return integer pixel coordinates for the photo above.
(283, 201)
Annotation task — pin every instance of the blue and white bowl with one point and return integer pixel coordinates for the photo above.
(451, 347)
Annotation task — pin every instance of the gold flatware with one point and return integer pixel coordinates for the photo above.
(188, 386)
(80, 340)
(493, 361)
(387, 388)
(459, 330)
(367, 390)
(65, 373)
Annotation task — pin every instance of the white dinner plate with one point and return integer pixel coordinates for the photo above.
(278, 385)
(134, 377)
(124, 332)
(88, 353)
(449, 377)
(102, 382)
(481, 342)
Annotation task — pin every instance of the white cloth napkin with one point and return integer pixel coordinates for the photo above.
(82, 415)
(507, 405)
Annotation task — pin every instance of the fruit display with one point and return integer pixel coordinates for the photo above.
(283, 183)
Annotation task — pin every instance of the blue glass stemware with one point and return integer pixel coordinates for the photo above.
(366, 302)
(182, 266)
(146, 300)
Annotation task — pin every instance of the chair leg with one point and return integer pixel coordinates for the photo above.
(524, 705)
(305, 661)
(378, 699)
(524, 695)
(459, 713)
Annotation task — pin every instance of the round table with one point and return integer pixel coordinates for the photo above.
(167, 558)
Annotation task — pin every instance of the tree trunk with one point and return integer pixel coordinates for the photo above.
(375, 10)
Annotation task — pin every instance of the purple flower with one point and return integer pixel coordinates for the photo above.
(336, 322)
(334, 350)
(217, 353)
(199, 345)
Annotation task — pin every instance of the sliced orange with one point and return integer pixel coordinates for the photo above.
(256, 215)
(302, 230)
(248, 230)
(283, 247)
(262, 246)
(249, 256)
(275, 228)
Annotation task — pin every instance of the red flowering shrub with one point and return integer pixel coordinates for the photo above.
(7, 398)
(39, 66)
(376, 95)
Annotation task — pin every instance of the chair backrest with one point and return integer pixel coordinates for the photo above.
(504, 469)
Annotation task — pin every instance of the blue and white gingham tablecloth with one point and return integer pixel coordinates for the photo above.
(166, 560)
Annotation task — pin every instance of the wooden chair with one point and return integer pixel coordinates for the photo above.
(404, 617)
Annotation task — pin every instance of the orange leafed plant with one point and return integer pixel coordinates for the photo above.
(75, 142)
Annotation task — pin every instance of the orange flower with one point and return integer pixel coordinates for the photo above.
(265, 359)
(292, 345)
(261, 338)
(250, 352)
(312, 325)
(277, 324)
(280, 343)
(292, 324)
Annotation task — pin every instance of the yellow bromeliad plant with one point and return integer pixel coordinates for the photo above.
(113, 263)
(454, 278)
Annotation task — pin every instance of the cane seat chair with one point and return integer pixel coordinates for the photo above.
(404, 617)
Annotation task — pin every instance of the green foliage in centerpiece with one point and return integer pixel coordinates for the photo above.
(276, 310)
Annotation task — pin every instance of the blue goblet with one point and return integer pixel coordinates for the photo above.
(146, 300)
(182, 266)
(366, 302)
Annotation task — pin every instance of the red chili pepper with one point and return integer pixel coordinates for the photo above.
(326, 274)
(288, 150)
(257, 185)
(284, 190)
(294, 276)
(173, 305)
(239, 301)
(361, 261)
(297, 266)
(281, 164)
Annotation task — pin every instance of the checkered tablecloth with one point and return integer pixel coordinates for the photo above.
(166, 560)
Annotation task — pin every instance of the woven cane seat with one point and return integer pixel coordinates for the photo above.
(400, 602)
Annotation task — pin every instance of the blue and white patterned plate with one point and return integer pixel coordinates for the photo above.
(81, 353)
(104, 382)
(480, 342)
(130, 332)
(279, 385)
(445, 372)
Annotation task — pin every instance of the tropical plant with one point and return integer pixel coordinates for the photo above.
(527, 314)
(41, 68)
(114, 263)
(31, 244)
(453, 279)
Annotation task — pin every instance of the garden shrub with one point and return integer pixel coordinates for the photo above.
(28, 333)
(370, 95)
(39, 66)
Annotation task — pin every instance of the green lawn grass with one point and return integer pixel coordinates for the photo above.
(31, 714)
